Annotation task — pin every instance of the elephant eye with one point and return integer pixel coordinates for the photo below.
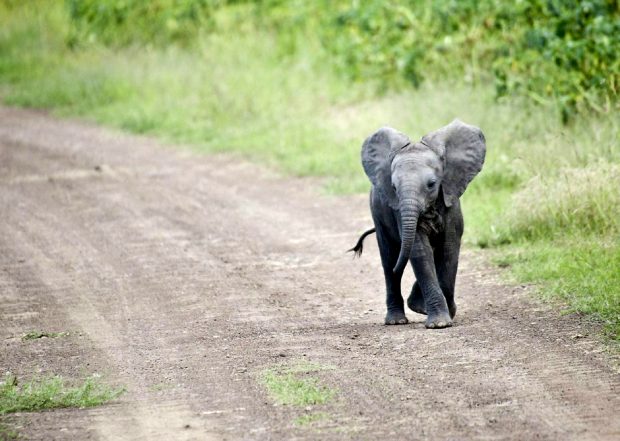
(430, 184)
(394, 187)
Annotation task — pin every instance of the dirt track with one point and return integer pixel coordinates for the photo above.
(183, 277)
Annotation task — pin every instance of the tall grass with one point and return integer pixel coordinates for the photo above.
(577, 201)
(236, 90)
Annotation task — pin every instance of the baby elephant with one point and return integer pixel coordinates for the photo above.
(415, 207)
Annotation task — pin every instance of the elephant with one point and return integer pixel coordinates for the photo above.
(415, 207)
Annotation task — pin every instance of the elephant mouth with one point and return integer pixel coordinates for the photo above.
(430, 221)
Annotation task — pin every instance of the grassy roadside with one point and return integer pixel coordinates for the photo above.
(545, 195)
(52, 393)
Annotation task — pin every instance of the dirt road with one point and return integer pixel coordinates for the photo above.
(184, 277)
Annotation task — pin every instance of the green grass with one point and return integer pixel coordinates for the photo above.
(34, 335)
(544, 185)
(159, 387)
(310, 418)
(7, 433)
(295, 385)
(52, 393)
(583, 274)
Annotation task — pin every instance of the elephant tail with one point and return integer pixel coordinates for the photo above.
(359, 246)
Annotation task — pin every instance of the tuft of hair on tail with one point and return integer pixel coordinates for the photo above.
(359, 246)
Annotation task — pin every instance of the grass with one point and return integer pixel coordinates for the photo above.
(582, 274)
(310, 418)
(52, 393)
(7, 433)
(294, 385)
(34, 335)
(544, 185)
(159, 387)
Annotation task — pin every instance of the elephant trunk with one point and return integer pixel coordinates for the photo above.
(409, 213)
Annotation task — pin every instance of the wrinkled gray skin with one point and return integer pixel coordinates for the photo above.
(417, 215)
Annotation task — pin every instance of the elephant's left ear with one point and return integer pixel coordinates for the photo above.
(465, 149)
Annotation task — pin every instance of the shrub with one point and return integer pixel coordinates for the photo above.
(122, 22)
(563, 51)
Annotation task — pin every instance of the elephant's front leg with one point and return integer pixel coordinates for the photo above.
(447, 262)
(438, 315)
(447, 256)
(389, 250)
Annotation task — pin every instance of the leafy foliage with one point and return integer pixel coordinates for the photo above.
(122, 22)
(567, 50)
(564, 51)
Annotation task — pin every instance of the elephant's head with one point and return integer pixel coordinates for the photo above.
(411, 176)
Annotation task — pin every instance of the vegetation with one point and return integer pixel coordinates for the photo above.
(296, 386)
(584, 274)
(298, 85)
(310, 418)
(7, 433)
(122, 22)
(52, 393)
(35, 335)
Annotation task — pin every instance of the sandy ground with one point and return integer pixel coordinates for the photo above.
(183, 277)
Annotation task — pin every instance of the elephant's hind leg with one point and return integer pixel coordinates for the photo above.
(415, 301)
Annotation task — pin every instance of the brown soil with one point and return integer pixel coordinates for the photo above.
(183, 277)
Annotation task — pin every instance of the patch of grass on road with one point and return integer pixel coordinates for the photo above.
(295, 385)
(310, 418)
(52, 393)
(159, 387)
(35, 335)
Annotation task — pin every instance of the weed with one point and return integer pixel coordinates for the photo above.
(51, 393)
(161, 387)
(7, 433)
(310, 418)
(293, 385)
(34, 335)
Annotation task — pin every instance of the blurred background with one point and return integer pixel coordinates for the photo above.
(297, 85)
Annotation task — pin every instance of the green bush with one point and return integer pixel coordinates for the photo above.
(122, 22)
(565, 52)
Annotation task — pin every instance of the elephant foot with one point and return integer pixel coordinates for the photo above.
(438, 320)
(396, 318)
(415, 301)
(452, 308)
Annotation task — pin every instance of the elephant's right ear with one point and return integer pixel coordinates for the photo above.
(377, 154)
